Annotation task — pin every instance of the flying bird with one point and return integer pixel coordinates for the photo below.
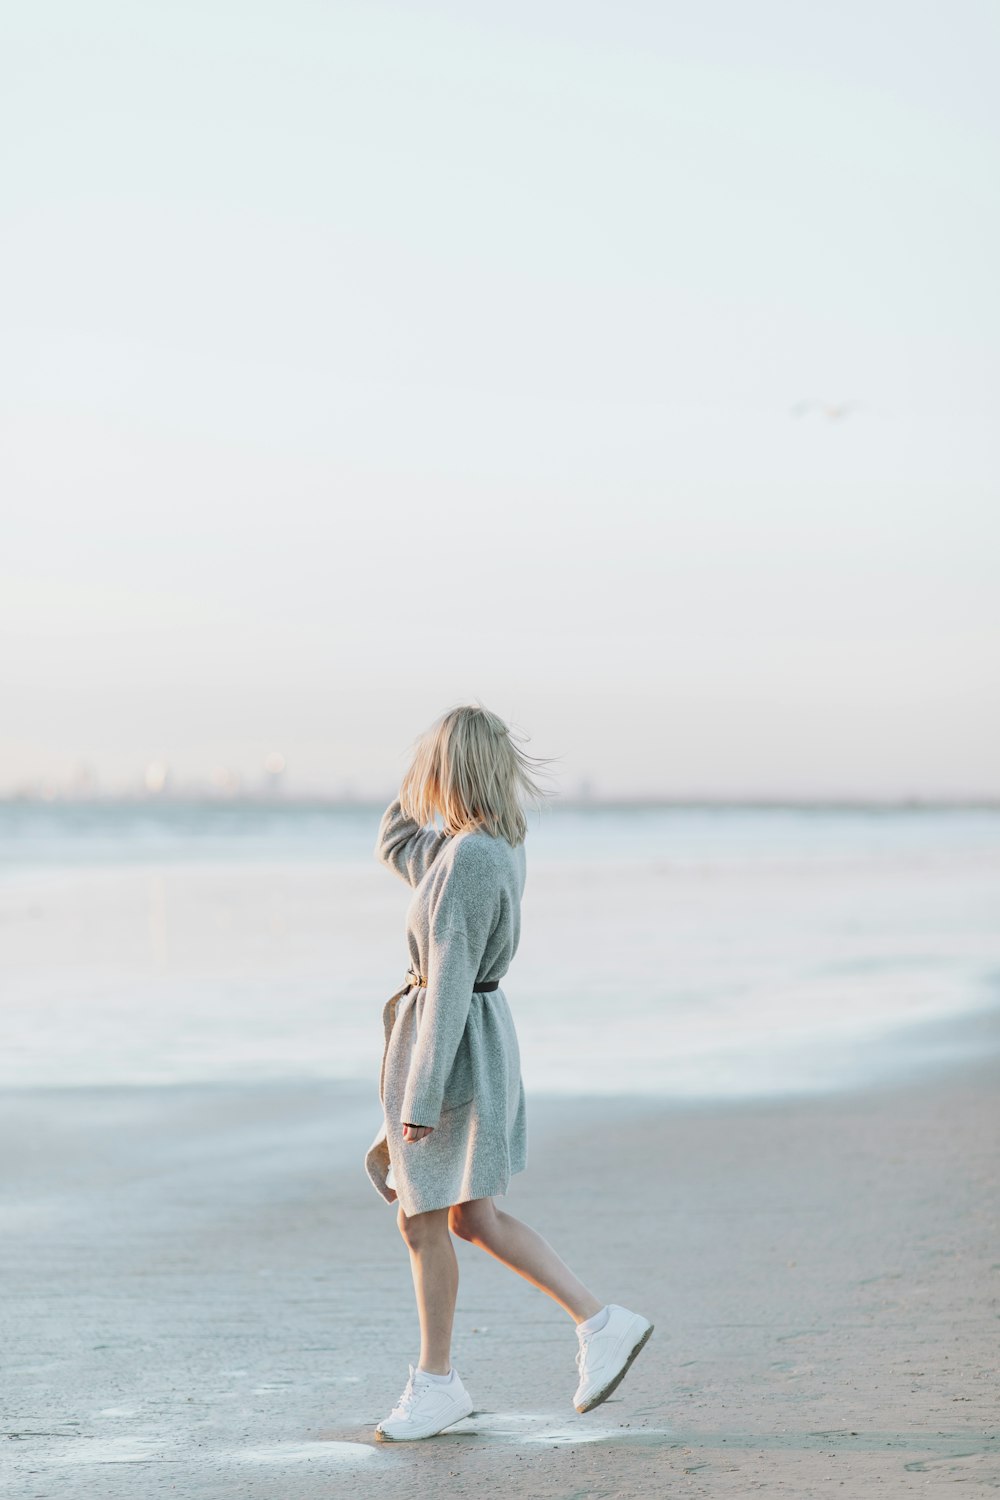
(835, 411)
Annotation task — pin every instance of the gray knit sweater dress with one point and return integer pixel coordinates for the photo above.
(450, 1057)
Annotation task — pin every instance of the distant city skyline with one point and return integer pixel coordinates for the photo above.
(157, 783)
(632, 369)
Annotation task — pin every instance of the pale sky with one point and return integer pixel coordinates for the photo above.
(359, 360)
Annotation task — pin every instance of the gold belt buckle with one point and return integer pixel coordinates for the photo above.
(416, 981)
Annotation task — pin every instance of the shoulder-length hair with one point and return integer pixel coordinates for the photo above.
(467, 767)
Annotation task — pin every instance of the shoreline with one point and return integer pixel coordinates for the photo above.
(203, 1285)
(905, 1054)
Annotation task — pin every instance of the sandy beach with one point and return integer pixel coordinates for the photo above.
(204, 1296)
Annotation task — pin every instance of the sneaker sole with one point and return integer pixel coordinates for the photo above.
(388, 1437)
(612, 1385)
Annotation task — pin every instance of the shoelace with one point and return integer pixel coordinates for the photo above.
(402, 1406)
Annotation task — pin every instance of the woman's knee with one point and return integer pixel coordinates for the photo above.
(420, 1230)
(473, 1220)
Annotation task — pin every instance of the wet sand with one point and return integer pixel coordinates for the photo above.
(204, 1297)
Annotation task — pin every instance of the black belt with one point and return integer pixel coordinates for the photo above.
(419, 981)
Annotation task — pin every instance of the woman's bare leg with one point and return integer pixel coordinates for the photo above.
(523, 1249)
(435, 1281)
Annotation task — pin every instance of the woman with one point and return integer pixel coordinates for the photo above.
(454, 1132)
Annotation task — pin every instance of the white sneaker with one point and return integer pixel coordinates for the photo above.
(604, 1357)
(424, 1408)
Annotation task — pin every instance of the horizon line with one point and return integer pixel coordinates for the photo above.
(272, 800)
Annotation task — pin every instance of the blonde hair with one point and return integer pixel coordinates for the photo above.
(467, 767)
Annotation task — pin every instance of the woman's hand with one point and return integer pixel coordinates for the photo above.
(416, 1132)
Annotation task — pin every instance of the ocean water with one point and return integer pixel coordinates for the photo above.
(682, 952)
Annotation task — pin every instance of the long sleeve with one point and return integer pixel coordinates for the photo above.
(461, 922)
(404, 847)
